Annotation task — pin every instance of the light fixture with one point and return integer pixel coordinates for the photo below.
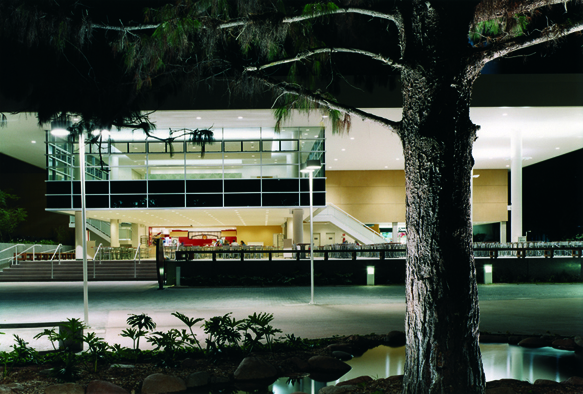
(33, 142)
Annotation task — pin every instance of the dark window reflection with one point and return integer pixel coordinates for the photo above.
(129, 201)
(128, 187)
(242, 200)
(242, 185)
(204, 200)
(97, 201)
(59, 202)
(59, 187)
(166, 201)
(166, 187)
(280, 199)
(97, 187)
(204, 186)
(280, 185)
(319, 199)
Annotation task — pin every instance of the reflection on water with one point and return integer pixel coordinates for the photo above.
(500, 361)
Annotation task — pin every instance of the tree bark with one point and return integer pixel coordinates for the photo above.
(442, 318)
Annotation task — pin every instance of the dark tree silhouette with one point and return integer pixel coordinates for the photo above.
(299, 51)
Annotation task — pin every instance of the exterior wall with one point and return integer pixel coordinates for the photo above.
(379, 196)
(490, 197)
(369, 196)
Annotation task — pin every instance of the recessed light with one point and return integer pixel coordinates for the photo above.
(557, 147)
(335, 159)
(343, 150)
(351, 138)
(397, 158)
(33, 142)
(504, 114)
(198, 117)
(240, 117)
(386, 166)
(507, 165)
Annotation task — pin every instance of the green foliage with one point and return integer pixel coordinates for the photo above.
(319, 8)
(51, 336)
(256, 328)
(10, 217)
(140, 325)
(222, 331)
(97, 348)
(190, 322)
(520, 26)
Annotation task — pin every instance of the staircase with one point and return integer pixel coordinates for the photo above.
(351, 226)
(72, 271)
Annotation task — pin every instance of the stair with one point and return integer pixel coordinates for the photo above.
(347, 223)
(72, 271)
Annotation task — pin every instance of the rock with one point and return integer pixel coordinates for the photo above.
(65, 388)
(546, 382)
(534, 342)
(302, 365)
(337, 389)
(197, 379)
(574, 381)
(355, 381)
(161, 383)
(500, 390)
(342, 356)
(340, 347)
(15, 386)
(325, 377)
(578, 341)
(396, 339)
(327, 364)
(123, 366)
(188, 363)
(5, 389)
(104, 387)
(254, 368)
(219, 380)
(514, 339)
(564, 344)
(494, 338)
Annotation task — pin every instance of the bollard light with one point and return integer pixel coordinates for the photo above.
(370, 275)
(487, 274)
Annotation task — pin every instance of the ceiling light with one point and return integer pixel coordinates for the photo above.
(60, 132)
(198, 117)
(33, 142)
(240, 117)
(351, 138)
(343, 150)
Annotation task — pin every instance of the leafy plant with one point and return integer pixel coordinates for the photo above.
(141, 325)
(97, 348)
(190, 322)
(258, 325)
(222, 331)
(22, 353)
(50, 334)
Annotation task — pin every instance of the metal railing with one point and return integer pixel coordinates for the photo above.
(379, 251)
(97, 252)
(11, 258)
(137, 257)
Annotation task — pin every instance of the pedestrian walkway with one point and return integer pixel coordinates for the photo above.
(339, 310)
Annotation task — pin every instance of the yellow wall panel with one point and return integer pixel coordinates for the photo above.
(491, 193)
(490, 212)
(258, 234)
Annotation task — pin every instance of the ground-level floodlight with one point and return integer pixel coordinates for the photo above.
(370, 275)
(487, 274)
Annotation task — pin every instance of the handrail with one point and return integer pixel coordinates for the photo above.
(53, 258)
(355, 219)
(12, 258)
(25, 250)
(95, 254)
(137, 255)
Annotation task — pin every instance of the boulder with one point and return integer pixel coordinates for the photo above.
(302, 365)
(122, 366)
(355, 381)
(396, 339)
(340, 347)
(5, 389)
(65, 388)
(219, 380)
(254, 368)
(574, 381)
(342, 356)
(104, 387)
(564, 344)
(337, 389)
(500, 390)
(546, 382)
(579, 342)
(197, 379)
(325, 364)
(534, 342)
(161, 383)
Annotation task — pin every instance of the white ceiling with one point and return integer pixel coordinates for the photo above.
(546, 131)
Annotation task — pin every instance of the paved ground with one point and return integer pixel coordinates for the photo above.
(520, 309)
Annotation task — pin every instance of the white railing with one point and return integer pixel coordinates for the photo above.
(26, 250)
(11, 258)
(138, 258)
(97, 251)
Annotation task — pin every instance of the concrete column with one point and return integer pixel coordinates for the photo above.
(135, 235)
(503, 232)
(395, 232)
(114, 232)
(78, 235)
(298, 226)
(516, 185)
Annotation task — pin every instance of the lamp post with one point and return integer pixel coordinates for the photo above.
(309, 167)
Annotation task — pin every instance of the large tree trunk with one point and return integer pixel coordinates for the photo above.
(442, 320)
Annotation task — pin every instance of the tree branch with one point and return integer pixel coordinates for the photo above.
(295, 90)
(313, 52)
(548, 34)
(492, 9)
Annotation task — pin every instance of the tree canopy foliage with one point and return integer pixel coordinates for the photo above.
(115, 59)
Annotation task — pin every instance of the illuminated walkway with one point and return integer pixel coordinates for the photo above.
(519, 309)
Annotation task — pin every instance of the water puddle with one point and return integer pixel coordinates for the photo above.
(501, 361)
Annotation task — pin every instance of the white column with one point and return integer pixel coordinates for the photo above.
(503, 232)
(135, 235)
(516, 185)
(298, 230)
(395, 232)
(114, 232)
(78, 235)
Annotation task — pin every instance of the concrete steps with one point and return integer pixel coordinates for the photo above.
(72, 270)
